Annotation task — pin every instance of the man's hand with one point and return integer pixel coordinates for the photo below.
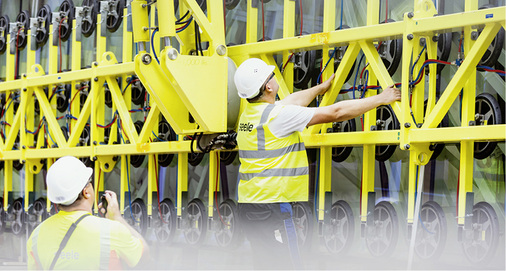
(113, 212)
(390, 95)
(326, 85)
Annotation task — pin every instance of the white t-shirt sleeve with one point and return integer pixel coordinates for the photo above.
(290, 119)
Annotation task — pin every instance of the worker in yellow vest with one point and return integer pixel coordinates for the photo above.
(274, 167)
(74, 239)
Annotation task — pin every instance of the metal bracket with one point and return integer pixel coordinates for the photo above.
(210, 224)
(468, 220)
(13, 32)
(104, 10)
(371, 198)
(56, 22)
(321, 226)
(81, 13)
(179, 223)
(129, 16)
(34, 27)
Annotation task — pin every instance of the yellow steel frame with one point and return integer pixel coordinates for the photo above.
(176, 94)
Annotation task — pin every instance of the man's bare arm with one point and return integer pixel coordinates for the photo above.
(349, 109)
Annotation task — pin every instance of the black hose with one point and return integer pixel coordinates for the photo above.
(184, 16)
(191, 143)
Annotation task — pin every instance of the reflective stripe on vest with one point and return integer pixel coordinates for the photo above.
(272, 153)
(280, 172)
(260, 128)
(272, 169)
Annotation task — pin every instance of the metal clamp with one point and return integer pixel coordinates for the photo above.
(14, 28)
(81, 13)
(57, 16)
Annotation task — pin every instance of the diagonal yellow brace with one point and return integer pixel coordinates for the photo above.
(158, 86)
(13, 132)
(82, 119)
(283, 88)
(468, 66)
(123, 111)
(151, 120)
(210, 88)
(52, 123)
(203, 22)
(379, 69)
(342, 71)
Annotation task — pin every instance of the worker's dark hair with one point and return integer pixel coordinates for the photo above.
(75, 203)
(259, 95)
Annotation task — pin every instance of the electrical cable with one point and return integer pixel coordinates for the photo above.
(418, 58)
(184, 16)
(197, 47)
(159, 139)
(356, 74)
(180, 29)
(129, 82)
(50, 137)
(284, 66)
(330, 58)
(153, 45)
(490, 69)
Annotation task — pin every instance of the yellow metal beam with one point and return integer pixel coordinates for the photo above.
(251, 25)
(123, 111)
(318, 40)
(197, 95)
(150, 123)
(455, 22)
(169, 103)
(342, 71)
(368, 166)
(457, 82)
(457, 134)
(67, 77)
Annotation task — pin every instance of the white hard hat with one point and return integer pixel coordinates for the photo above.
(66, 178)
(250, 76)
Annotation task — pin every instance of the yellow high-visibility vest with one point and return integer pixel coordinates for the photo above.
(97, 243)
(272, 169)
